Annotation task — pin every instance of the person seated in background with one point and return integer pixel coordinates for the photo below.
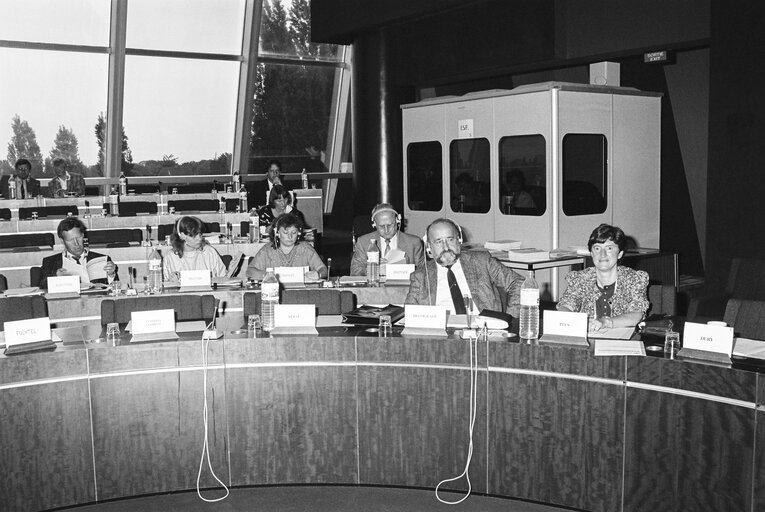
(279, 203)
(66, 182)
(610, 294)
(26, 186)
(286, 251)
(75, 257)
(261, 190)
(395, 246)
(453, 274)
(467, 196)
(191, 251)
(516, 191)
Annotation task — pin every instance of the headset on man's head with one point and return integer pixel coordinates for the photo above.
(385, 207)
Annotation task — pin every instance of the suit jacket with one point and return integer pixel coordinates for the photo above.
(33, 186)
(51, 264)
(76, 184)
(486, 278)
(408, 244)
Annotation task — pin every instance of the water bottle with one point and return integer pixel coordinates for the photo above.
(123, 184)
(254, 226)
(373, 262)
(12, 187)
(155, 272)
(529, 328)
(235, 180)
(304, 178)
(222, 204)
(114, 202)
(269, 297)
(242, 198)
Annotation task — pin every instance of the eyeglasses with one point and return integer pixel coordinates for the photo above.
(448, 240)
(608, 249)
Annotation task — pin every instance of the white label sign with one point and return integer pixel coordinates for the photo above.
(565, 323)
(64, 284)
(28, 331)
(398, 272)
(291, 274)
(294, 315)
(529, 297)
(465, 129)
(711, 338)
(195, 278)
(428, 317)
(148, 322)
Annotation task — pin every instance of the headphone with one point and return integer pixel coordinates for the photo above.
(441, 220)
(385, 207)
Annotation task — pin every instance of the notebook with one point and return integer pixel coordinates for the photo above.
(153, 325)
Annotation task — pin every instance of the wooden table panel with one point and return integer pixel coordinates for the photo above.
(556, 440)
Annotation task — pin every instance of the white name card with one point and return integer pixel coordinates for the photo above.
(710, 338)
(29, 331)
(64, 284)
(565, 323)
(149, 322)
(291, 274)
(399, 271)
(294, 315)
(195, 278)
(428, 317)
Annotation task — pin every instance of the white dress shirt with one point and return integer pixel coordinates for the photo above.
(443, 296)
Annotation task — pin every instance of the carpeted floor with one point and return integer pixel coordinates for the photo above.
(316, 499)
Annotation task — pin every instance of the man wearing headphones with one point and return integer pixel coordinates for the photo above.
(395, 246)
(453, 274)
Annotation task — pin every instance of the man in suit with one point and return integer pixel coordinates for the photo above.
(65, 182)
(391, 242)
(260, 190)
(452, 274)
(26, 186)
(72, 233)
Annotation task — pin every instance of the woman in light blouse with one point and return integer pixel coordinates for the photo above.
(191, 251)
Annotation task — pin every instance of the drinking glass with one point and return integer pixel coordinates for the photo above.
(671, 343)
(386, 326)
(112, 333)
(468, 301)
(254, 324)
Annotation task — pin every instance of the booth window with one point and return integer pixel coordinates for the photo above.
(585, 166)
(469, 176)
(424, 182)
(522, 175)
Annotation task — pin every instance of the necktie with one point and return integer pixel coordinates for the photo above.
(387, 247)
(454, 289)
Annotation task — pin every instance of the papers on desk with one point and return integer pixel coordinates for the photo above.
(503, 245)
(95, 268)
(615, 333)
(528, 254)
(395, 256)
(746, 347)
(619, 348)
(351, 280)
(23, 292)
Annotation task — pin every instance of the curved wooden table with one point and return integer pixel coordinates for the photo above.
(555, 424)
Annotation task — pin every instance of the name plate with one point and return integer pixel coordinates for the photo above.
(294, 315)
(149, 322)
(428, 317)
(709, 338)
(64, 284)
(565, 323)
(32, 330)
(195, 278)
(399, 271)
(291, 274)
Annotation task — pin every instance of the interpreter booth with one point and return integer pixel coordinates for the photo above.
(543, 164)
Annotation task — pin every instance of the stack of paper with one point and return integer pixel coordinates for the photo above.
(503, 245)
(528, 254)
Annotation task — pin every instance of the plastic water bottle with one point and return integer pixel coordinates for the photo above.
(269, 297)
(254, 226)
(123, 184)
(114, 201)
(235, 180)
(12, 187)
(304, 179)
(222, 204)
(242, 198)
(155, 272)
(529, 328)
(373, 262)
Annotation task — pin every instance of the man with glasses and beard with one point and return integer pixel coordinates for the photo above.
(452, 274)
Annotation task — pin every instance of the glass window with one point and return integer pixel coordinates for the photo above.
(522, 175)
(469, 173)
(424, 178)
(291, 112)
(585, 161)
(285, 30)
(50, 108)
(80, 22)
(179, 115)
(186, 25)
